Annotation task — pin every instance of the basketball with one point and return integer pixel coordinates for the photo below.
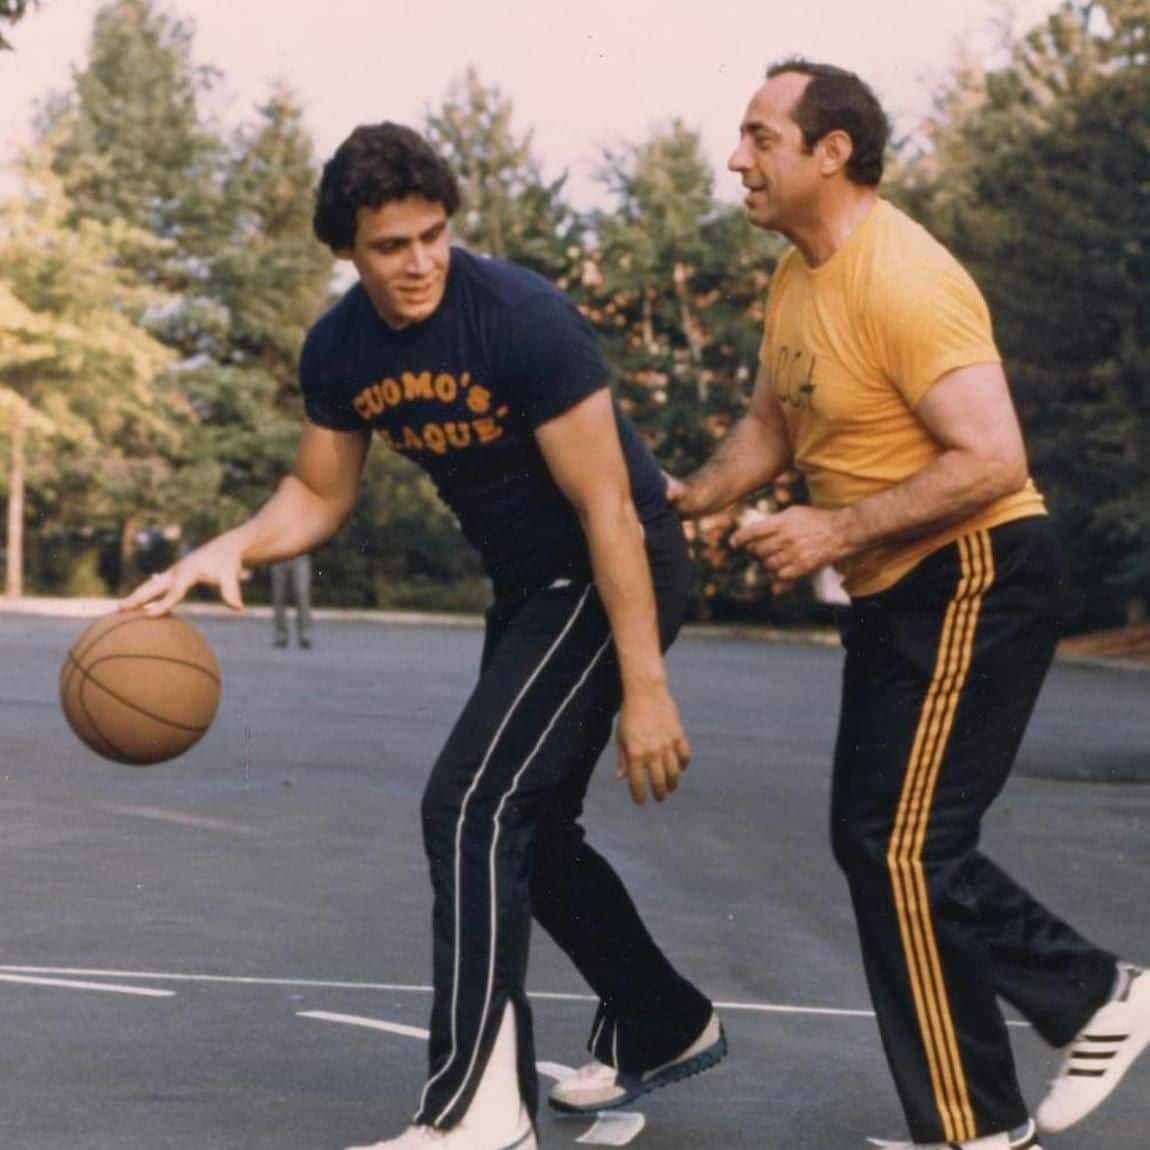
(140, 690)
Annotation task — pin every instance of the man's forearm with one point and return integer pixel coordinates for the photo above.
(623, 580)
(957, 485)
(751, 456)
(293, 521)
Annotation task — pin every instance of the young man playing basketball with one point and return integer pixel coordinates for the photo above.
(488, 377)
(880, 381)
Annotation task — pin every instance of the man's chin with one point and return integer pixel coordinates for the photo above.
(416, 311)
(759, 215)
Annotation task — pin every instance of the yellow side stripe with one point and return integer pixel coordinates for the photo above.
(904, 854)
(982, 562)
(899, 866)
(958, 658)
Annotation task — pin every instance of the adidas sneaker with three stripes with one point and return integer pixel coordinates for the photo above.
(1100, 1055)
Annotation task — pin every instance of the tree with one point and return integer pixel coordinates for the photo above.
(508, 209)
(130, 144)
(270, 279)
(1036, 175)
(675, 285)
(76, 368)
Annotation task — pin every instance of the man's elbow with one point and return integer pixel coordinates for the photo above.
(1008, 473)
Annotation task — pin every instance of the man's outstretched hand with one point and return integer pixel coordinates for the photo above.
(216, 564)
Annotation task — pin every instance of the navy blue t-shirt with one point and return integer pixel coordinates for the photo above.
(461, 394)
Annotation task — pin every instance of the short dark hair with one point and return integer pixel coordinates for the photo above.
(376, 164)
(837, 100)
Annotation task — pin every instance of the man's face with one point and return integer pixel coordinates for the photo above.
(402, 252)
(780, 175)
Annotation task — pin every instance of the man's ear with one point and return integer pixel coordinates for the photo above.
(837, 148)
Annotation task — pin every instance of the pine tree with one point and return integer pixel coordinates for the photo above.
(130, 144)
(509, 210)
(677, 285)
(1036, 176)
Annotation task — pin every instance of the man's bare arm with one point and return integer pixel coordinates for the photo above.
(970, 413)
(308, 507)
(754, 453)
(583, 453)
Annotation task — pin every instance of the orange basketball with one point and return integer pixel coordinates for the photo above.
(140, 690)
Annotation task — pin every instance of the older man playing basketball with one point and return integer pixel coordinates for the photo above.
(880, 381)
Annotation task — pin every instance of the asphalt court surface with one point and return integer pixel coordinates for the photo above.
(268, 892)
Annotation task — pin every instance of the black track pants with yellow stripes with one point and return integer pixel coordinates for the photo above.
(942, 673)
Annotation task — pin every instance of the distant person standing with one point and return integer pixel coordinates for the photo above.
(880, 381)
(295, 572)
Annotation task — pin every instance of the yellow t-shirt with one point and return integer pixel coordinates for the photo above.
(850, 348)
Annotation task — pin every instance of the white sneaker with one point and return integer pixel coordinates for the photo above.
(1024, 1138)
(1103, 1051)
(496, 1118)
(596, 1086)
(461, 1137)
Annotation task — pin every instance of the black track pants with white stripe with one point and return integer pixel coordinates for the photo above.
(942, 673)
(500, 828)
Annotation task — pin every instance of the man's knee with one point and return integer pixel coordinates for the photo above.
(859, 846)
(440, 810)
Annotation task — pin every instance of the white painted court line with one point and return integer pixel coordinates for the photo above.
(71, 984)
(226, 979)
(181, 818)
(368, 1023)
(416, 988)
(614, 1129)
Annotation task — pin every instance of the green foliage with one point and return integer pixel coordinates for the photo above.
(156, 281)
(675, 285)
(508, 210)
(130, 145)
(1036, 176)
(244, 278)
(89, 422)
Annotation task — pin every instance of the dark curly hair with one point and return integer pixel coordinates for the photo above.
(837, 100)
(376, 164)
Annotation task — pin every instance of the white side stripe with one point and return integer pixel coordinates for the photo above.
(491, 864)
(459, 838)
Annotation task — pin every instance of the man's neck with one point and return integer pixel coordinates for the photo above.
(836, 220)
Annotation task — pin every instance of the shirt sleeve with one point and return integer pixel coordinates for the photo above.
(319, 402)
(552, 359)
(929, 319)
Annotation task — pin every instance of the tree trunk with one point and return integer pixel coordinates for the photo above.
(689, 328)
(14, 576)
(129, 554)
